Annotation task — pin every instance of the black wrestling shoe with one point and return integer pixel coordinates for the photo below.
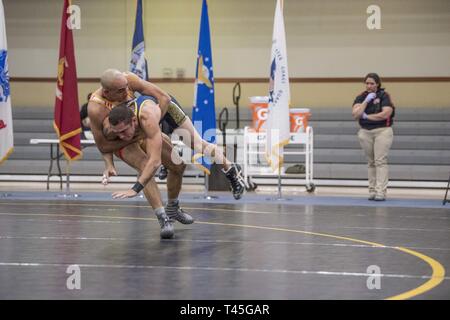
(174, 212)
(162, 175)
(237, 182)
(167, 230)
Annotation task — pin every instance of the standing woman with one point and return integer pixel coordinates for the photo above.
(375, 112)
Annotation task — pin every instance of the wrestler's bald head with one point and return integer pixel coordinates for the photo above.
(112, 79)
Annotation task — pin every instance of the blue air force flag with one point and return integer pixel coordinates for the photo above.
(6, 125)
(203, 113)
(138, 64)
(277, 126)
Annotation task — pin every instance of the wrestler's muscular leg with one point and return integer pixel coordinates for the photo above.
(175, 165)
(232, 172)
(199, 145)
(135, 157)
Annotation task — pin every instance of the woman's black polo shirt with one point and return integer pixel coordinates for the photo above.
(375, 106)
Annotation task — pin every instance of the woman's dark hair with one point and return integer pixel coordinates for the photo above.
(375, 77)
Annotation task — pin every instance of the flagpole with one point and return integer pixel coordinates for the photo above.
(68, 177)
(67, 193)
(203, 111)
(279, 97)
(138, 62)
(66, 115)
(206, 184)
(279, 183)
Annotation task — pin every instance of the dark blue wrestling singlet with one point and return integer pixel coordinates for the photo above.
(174, 116)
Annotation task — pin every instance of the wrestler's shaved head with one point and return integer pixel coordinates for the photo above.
(112, 78)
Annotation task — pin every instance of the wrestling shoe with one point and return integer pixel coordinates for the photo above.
(174, 212)
(236, 180)
(162, 175)
(167, 230)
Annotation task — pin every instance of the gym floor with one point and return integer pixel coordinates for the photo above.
(303, 247)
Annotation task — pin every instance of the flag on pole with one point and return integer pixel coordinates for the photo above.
(6, 124)
(138, 63)
(67, 117)
(277, 127)
(203, 112)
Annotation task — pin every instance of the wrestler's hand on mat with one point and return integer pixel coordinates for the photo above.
(110, 171)
(124, 194)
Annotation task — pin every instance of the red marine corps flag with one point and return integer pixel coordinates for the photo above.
(67, 117)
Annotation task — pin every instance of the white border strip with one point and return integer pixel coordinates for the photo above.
(198, 179)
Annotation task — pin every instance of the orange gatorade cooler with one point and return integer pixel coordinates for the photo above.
(260, 107)
(299, 119)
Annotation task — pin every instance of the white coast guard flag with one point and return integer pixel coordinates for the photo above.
(278, 131)
(6, 125)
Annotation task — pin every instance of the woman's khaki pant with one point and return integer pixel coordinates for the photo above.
(376, 144)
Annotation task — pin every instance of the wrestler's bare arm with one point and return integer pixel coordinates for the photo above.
(150, 117)
(147, 88)
(110, 169)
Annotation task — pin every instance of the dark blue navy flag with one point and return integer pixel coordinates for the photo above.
(203, 113)
(138, 63)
